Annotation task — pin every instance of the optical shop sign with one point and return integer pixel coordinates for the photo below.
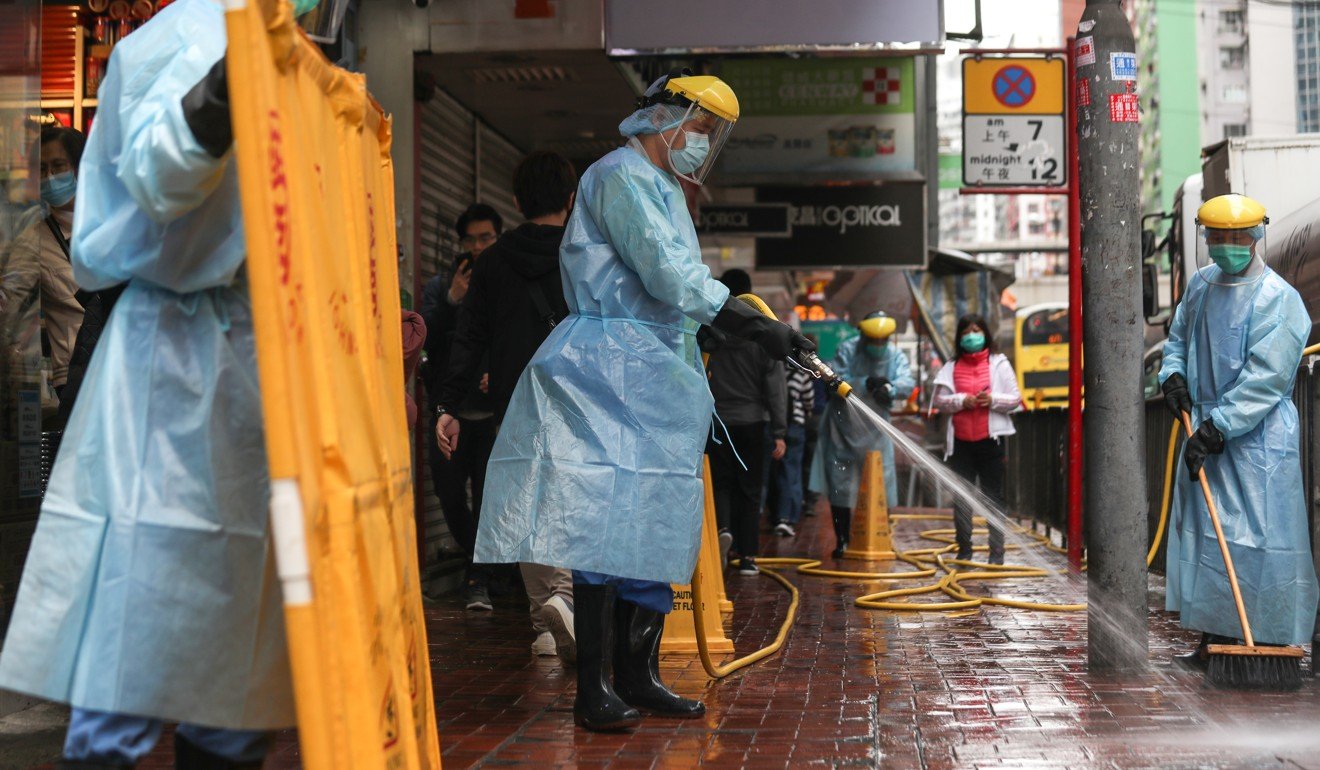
(847, 226)
(849, 117)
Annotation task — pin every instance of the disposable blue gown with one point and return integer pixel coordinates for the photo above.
(150, 586)
(597, 466)
(1239, 347)
(845, 440)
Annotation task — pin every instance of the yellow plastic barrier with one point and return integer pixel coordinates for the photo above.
(680, 626)
(871, 537)
(316, 181)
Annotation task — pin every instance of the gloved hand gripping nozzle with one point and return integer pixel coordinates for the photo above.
(803, 354)
(820, 370)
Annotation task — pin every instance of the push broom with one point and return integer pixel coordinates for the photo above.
(1245, 666)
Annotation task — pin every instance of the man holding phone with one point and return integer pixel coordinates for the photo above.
(477, 228)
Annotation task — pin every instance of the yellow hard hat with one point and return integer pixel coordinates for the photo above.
(709, 92)
(1231, 212)
(877, 326)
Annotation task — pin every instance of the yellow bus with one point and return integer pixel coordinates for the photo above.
(1040, 354)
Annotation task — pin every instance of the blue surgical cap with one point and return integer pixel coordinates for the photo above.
(655, 118)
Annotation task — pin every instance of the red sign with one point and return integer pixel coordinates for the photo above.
(1083, 93)
(1124, 108)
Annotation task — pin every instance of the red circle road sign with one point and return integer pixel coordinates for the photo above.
(1013, 86)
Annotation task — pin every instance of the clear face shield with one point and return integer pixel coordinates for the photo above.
(1230, 256)
(323, 21)
(696, 142)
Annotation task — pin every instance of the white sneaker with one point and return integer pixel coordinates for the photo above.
(544, 644)
(784, 529)
(726, 542)
(558, 615)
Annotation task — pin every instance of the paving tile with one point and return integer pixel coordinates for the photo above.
(853, 688)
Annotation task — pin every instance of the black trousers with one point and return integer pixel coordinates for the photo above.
(737, 491)
(983, 462)
(809, 455)
(451, 477)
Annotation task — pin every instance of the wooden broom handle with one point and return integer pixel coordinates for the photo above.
(1223, 544)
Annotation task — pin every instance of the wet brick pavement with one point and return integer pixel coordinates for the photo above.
(996, 688)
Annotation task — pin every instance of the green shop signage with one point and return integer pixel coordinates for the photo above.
(848, 117)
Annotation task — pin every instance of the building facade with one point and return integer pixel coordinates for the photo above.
(1171, 97)
(1249, 67)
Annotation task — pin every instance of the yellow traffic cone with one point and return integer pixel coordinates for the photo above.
(870, 537)
(711, 552)
(680, 629)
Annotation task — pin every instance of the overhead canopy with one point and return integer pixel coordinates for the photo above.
(952, 285)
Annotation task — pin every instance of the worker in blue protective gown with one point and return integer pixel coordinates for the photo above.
(1231, 360)
(880, 374)
(150, 593)
(597, 467)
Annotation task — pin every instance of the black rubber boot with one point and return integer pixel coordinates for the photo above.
(842, 528)
(597, 707)
(1199, 658)
(637, 665)
(189, 756)
(79, 764)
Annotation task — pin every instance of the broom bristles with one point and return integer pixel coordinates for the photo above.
(1255, 672)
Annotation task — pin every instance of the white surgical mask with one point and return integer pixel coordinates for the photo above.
(693, 154)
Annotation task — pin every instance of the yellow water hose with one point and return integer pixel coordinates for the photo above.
(1311, 350)
(1166, 502)
(927, 562)
(721, 671)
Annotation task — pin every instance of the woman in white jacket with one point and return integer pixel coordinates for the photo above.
(978, 389)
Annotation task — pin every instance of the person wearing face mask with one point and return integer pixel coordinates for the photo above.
(978, 389)
(1230, 362)
(149, 594)
(597, 466)
(61, 151)
(880, 373)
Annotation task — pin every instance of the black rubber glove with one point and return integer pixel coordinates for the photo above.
(881, 390)
(1206, 441)
(206, 110)
(777, 338)
(1176, 397)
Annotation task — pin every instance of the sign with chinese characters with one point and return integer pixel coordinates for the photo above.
(1016, 150)
(1124, 108)
(847, 226)
(848, 118)
(1013, 121)
(1123, 66)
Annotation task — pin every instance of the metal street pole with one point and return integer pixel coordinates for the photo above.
(1075, 455)
(1115, 447)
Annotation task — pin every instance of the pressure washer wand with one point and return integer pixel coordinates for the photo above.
(805, 359)
(820, 370)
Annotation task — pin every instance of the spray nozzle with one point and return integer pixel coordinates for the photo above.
(811, 362)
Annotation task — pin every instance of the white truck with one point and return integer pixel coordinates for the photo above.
(1283, 173)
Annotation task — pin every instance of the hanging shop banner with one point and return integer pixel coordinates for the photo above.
(852, 118)
(950, 171)
(949, 288)
(634, 28)
(847, 226)
(316, 180)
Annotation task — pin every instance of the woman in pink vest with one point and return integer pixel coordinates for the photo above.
(978, 389)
